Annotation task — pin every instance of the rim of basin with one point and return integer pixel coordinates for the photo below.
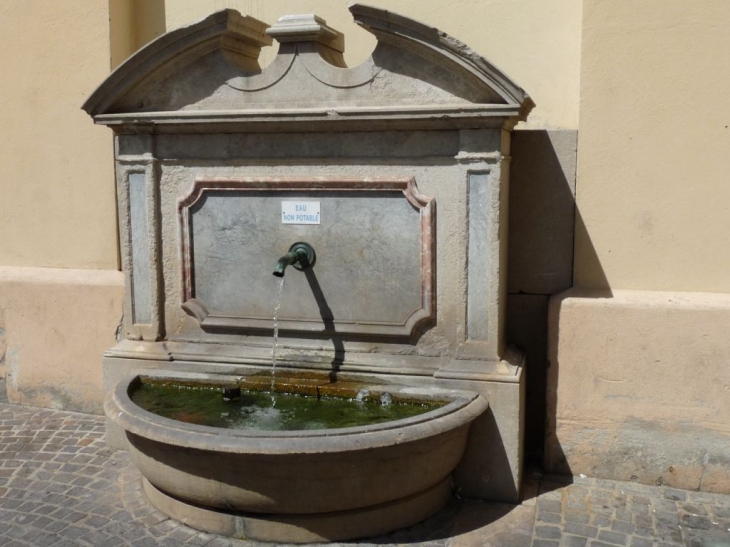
(462, 408)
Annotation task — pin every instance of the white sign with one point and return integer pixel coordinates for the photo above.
(300, 212)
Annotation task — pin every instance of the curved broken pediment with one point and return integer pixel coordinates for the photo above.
(208, 73)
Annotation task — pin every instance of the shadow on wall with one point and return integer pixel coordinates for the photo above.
(149, 21)
(485, 467)
(554, 458)
(544, 226)
(132, 25)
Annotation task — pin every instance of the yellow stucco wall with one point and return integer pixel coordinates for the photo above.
(652, 192)
(55, 323)
(654, 146)
(132, 24)
(639, 387)
(56, 169)
(643, 372)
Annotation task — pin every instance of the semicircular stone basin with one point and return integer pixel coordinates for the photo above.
(297, 486)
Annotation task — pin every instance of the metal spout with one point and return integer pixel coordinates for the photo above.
(301, 256)
(287, 260)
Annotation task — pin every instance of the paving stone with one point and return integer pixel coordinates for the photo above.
(667, 519)
(551, 495)
(721, 512)
(200, 538)
(695, 521)
(623, 527)
(181, 534)
(663, 505)
(553, 518)
(220, 542)
(145, 542)
(624, 515)
(605, 510)
(548, 532)
(581, 530)
(576, 504)
(693, 508)
(644, 532)
(56, 526)
(615, 538)
(73, 532)
(677, 495)
(573, 541)
(709, 498)
(578, 517)
(636, 501)
(550, 505)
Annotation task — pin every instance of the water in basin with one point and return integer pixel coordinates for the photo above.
(270, 411)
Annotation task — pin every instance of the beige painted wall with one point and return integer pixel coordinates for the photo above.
(654, 146)
(639, 387)
(56, 168)
(537, 42)
(132, 24)
(638, 380)
(55, 323)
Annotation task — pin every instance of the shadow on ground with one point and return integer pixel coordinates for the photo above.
(468, 522)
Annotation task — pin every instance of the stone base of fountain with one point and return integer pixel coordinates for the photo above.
(313, 528)
(298, 486)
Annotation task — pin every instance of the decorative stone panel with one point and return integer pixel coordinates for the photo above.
(376, 234)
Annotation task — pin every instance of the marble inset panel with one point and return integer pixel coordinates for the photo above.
(373, 274)
(478, 277)
(140, 249)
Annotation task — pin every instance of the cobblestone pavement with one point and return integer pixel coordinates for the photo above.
(598, 513)
(61, 486)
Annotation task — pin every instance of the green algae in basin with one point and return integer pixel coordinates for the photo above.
(270, 412)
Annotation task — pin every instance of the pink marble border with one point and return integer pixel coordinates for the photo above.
(407, 185)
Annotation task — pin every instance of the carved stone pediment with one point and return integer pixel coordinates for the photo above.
(208, 73)
(210, 145)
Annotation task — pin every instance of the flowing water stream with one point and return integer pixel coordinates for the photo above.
(279, 293)
(272, 411)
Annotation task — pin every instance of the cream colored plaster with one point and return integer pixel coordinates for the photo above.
(133, 24)
(149, 20)
(56, 168)
(56, 325)
(654, 355)
(639, 385)
(122, 27)
(537, 42)
(653, 153)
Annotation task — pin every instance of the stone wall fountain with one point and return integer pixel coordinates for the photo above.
(221, 168)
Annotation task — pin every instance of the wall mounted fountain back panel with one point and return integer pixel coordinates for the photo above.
(405, 159)
(376, 235)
